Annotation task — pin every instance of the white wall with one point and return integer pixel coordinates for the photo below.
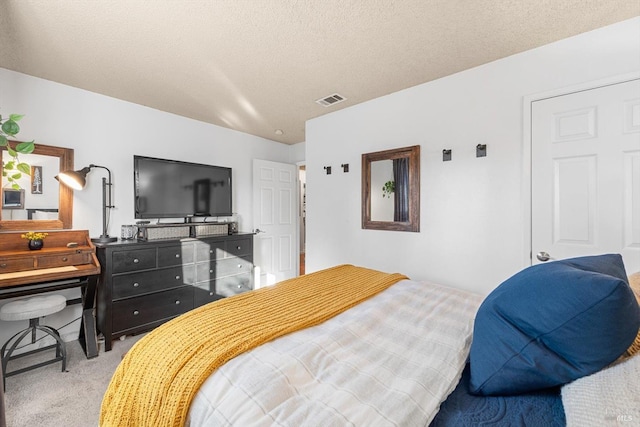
(297, 153)
(472, 225)
(108, 132)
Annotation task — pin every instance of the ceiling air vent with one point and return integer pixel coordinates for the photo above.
(330, 100)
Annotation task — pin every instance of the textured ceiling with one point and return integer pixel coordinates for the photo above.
(259, 65)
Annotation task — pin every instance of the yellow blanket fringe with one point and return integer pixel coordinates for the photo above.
(156, 381)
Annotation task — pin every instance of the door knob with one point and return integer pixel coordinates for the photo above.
(257, 230)
(543, 256)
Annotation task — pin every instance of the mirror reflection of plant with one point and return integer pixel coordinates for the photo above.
(13, 169)
(388, 188)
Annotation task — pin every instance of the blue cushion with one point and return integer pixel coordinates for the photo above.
(551, 324)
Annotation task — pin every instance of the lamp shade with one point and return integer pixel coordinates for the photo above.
(77, 180)
(74, 179)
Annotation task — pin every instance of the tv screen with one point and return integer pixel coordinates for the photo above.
(174, 189)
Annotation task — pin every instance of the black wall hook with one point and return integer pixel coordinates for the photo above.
(345, 167)
(481, 150)
(328, 170)
(446, 155)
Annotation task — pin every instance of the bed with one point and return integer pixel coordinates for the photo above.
(42, 213)
(345, 346)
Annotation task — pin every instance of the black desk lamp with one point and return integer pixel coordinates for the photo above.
(77, 180)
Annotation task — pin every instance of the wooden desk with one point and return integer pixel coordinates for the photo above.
(68, 260)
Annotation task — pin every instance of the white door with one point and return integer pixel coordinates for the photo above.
(275, 218)
(585, 174)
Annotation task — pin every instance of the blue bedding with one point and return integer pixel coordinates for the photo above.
(543, 408)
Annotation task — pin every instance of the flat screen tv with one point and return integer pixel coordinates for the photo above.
(174, 189)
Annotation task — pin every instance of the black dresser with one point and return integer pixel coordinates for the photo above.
(144, 284)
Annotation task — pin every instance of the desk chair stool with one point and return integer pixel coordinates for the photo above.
(32, 309)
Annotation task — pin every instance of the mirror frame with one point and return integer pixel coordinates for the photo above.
(65, 201)
(413, 153)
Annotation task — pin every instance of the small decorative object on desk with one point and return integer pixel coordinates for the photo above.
(128, 232)
(36, 239)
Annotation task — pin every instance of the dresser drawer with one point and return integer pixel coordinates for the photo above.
(175, 255)
(44, 261)
(134, 312)
(18, 264)
(63, 259)
(233, 285)
(129, 285)
(205, 271)
(134, 260)
(240, 247)
(206, 251)
(230, 266)
(204, 294)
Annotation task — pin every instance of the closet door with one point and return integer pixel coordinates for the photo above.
(585, 174)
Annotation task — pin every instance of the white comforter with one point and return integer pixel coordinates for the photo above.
(608, 397)
(389, 361)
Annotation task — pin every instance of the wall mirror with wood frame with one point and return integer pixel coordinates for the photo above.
(391, 189)
(47, 204)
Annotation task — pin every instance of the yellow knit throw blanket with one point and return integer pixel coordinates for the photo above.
(156, 381)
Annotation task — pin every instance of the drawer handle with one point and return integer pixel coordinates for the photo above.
(239, 265)
(65, 259)
(177, 302)
(136, 260)
(238, 247)
(210, 294)
(136, 284)
(177, 255)
(136, 312)
(210, 271)
(239, 286)
(177, 277)
(3, 265)
(210, 251)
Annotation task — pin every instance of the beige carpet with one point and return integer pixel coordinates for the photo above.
(48, 397)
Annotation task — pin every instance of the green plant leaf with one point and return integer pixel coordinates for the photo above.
(25, 147)
(388, 188)
(24, 168)
(10, 127)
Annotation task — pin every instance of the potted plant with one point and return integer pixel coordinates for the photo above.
(13, 168)
(35, 238)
